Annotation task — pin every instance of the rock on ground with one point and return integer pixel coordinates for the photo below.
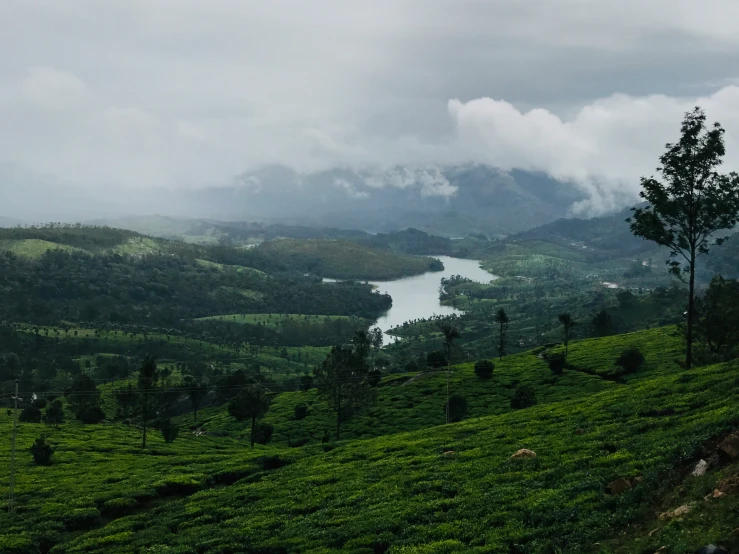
(523, 453)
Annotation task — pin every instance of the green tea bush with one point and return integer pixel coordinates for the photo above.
(30, 414)
(91, 415)
(484, 369)
(631, 360)
(557, 363)
(263, 433)
(301, 411)
(54, 414)
(42, 452)
(169, 430)
(374, 376)
(457, 407)
(523, 397)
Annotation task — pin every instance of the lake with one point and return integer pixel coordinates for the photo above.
(418, 297)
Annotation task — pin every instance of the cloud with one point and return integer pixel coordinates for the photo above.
(349, 188)
(604, 148)
(587, 90)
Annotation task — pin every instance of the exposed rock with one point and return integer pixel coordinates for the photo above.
(652, 532)
(700, 468)
(523, 453)
(636, 480)
(712, 549)
(711, 496)
(730, 485)
(730, 445)
(618, 486)
(449, 453)
(660, 550)
(677, 512)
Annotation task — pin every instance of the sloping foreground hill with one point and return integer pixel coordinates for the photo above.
(409, 402)
(450, 488)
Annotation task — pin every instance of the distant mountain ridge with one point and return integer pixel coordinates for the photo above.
(448, 201)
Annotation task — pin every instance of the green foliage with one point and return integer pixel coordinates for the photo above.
(457, 407)
(251, 403)
(502, 319)
(42, 452)
(631, 360)
(717, 318)
(30, 414)
(602, 324)
(557, 363)
(263, 433)
(54, 414)
(567, 325)
(436, 359)
(169, 430)
(301, 411)
(90, 414)
(523, 397)
(341, 259)
(484, 369)
(684, 212)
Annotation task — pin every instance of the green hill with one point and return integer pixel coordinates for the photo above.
(341, 259)
(439, 488)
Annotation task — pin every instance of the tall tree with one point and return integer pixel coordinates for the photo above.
(567, 325)
(196, 392)
(501, 318)
(717, 317)
(602, 324)
(251, 403)
(451, 334)
(342, 380)
(147, 389)
(694, 202)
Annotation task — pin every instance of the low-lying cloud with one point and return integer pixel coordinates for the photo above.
(588, 91)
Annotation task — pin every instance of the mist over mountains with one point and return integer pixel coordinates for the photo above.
(450, 201)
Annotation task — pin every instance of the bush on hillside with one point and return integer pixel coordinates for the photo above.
(91, 415)
(484, 369)
(374, 376)
(523, 397)
(54, 414)
(630, 360)
(306, 383)
(457, 407)
(436, 359)
(263, 433)
(42, 452)
(169, 430)
(557, 363)
(301, 411)
(31, 414)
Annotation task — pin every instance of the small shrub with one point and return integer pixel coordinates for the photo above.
(31, 414)
(306, 383)
(457, 407)
(298, 442)
(436, 359)
(374, 376)
(54, 414)
(523, 397)
(91, 415)
(169, 430)
(301, 411)
(263, 433)
(326, 436)
(557, 363)
(42, 452)
(484, 369)
(630, 360)
(39, 403)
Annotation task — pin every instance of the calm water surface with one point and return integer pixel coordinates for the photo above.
(418, 297)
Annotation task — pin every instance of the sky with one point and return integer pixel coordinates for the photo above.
(189, 93)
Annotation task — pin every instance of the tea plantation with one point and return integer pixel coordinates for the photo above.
(413, 484)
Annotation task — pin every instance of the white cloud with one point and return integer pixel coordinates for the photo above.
(604, 149)
(207, 91)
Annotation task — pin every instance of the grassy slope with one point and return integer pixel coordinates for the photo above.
(34, 248)
(401, 491)
(344, 260)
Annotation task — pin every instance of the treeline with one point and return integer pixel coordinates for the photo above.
(161, 290)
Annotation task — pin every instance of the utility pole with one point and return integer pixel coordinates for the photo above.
(12, 450)
(447, 389)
